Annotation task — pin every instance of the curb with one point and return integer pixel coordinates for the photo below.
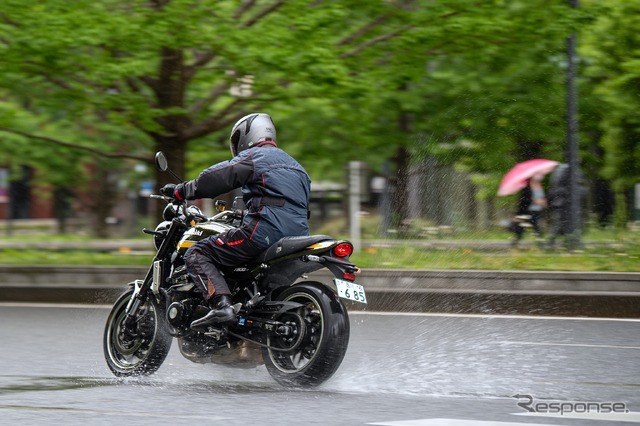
(598, 294)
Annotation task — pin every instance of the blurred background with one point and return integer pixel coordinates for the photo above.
(428, 103)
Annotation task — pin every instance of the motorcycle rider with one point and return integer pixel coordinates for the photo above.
(275, 190)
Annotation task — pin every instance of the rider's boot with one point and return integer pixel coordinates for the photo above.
(221, 313)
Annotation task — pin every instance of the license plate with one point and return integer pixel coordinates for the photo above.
(351, 291)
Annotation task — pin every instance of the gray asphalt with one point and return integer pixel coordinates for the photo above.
(403, 370)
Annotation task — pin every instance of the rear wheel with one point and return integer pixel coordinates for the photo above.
(319, 341)
(142, 349)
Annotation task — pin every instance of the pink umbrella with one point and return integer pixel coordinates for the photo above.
(517, 177)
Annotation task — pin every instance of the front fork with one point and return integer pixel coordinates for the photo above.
(154, 277)
(141, 292)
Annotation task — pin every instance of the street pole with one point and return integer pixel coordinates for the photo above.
(573, 148)
(354, 203)
(9, 218)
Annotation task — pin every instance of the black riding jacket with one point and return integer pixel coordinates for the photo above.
(275, 189)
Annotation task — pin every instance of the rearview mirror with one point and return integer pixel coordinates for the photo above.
(161, 161)
(163, 165)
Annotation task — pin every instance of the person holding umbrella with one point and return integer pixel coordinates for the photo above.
(527, 176)
(530, 208)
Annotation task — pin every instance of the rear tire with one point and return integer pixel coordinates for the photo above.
(324, 339)
(144, 350)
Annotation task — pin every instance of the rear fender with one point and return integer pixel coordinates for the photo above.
(324, 254)
(340, 268)
(318, 287)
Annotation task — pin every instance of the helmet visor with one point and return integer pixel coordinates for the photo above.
(233, 142)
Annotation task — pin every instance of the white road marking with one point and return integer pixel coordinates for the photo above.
(632, 416)
(527, 317)
(578, 345)
(450, 422)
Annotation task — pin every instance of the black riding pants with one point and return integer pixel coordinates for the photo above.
(204, 259)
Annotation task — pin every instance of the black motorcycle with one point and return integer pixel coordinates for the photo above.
(298, 328)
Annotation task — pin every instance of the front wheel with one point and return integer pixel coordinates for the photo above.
(323, 340)
(142, 349)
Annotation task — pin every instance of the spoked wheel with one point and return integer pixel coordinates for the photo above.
(320, 334)
(141, 349)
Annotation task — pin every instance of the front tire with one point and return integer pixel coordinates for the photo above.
(141, 351)
(324, 340)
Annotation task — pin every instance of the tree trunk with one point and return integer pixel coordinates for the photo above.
(402, 159)
(175, 151)
(621, 209)
(62, 207)
(103, 196)
(401, 196)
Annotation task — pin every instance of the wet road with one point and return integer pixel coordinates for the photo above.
(402, 370)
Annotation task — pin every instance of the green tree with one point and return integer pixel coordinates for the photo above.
(611, 53)
(479, 85)
(357, 76)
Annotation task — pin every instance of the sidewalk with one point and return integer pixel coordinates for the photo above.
(600, 294)
(442, 291)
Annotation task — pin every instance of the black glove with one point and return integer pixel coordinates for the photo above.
(174, 191)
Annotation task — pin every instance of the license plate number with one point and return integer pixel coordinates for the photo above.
(351, 291)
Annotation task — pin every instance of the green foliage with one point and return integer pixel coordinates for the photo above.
(596, 259)
(73, 257)
(54, 167)
(612, 52)
(620, 257)
(475, 85)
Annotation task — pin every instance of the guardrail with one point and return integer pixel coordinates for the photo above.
(604, 294)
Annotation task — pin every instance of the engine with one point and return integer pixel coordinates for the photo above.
(176, 314)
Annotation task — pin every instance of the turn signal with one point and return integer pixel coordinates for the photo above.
(343, 250)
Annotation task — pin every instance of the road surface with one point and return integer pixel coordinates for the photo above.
(400, 370)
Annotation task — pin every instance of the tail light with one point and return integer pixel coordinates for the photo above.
(343, 250)
(349, 276)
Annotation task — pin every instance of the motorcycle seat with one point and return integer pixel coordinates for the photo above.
(289, 245)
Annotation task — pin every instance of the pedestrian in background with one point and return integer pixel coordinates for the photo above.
(531, 206)
(560, 203)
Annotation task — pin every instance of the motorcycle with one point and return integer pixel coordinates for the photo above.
(297, 328)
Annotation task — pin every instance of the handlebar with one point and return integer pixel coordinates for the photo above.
(161, 197)
(231, 215)
(197, 216)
